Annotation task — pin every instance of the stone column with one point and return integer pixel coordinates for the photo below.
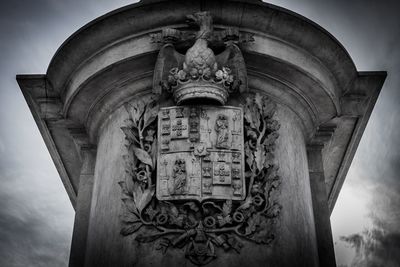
(82, 212)
(320, 205)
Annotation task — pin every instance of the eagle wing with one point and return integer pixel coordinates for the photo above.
(232, 58)
(167, 59)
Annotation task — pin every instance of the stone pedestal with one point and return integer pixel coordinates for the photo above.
(320, 101)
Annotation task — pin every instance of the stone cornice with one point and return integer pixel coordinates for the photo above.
(292, 60)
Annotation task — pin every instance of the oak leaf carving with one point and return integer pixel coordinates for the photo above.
(252, 223)
(130, 217)
(130, 229)
(130, 205)
(142, 197)
(143, 156)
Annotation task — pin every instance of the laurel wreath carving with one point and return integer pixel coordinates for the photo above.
(201, 226)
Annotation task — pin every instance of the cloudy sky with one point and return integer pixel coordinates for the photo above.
(36, 217)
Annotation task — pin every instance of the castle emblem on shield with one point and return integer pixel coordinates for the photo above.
(200, 155)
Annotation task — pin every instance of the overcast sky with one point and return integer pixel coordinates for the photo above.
(36, 216)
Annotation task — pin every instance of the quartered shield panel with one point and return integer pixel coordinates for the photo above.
(200, 153)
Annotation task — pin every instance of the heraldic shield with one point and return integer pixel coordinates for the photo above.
(200, 153)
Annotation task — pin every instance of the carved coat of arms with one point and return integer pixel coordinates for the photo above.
(201, 153)
(200, 176)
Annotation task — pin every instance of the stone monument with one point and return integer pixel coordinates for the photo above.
(202, 133)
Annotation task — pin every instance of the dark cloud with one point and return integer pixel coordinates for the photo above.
(27, 238)
(35, 222)
(380, 244)
(375, 248)
(36, 216)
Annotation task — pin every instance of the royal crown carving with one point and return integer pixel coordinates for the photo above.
(200, 72)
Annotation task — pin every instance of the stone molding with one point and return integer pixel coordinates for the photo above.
(107, 63)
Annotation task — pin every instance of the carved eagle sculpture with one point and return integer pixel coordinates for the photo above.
(227, 68)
